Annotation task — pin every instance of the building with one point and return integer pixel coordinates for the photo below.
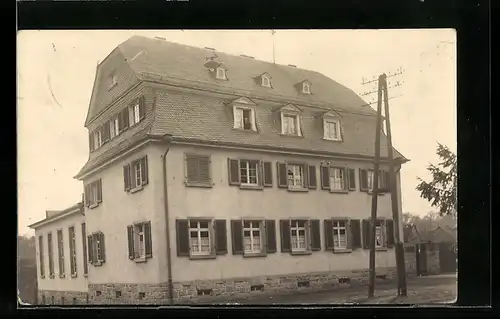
(212, 174)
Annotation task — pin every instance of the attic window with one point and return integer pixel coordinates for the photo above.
(306, 88)
(266, 81)
(221, 74)
(113, 80)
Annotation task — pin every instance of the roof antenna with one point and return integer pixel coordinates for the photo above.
(273, 32)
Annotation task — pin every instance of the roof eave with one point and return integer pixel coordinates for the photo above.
(78, 208)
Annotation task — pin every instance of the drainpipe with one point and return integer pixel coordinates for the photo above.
(168, 139)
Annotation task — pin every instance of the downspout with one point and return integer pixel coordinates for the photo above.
(168, 139)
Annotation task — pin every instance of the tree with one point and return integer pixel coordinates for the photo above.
(441, 192)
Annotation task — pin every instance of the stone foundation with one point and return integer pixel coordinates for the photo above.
(54, 297)
(118, 293)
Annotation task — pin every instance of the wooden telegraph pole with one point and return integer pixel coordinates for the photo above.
(399, 250)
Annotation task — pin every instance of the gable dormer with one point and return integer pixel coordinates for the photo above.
(304, 87)
(291, 120)
(264, 80)
(244, 114)
(332, 129)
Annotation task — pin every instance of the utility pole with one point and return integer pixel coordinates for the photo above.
(273, 32)
(399, 250)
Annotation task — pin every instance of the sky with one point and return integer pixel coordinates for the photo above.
(56, 70)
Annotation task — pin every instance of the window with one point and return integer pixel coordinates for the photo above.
(340, 234)
(123, 120)
(306, 88)
(135, 174)
(199, 237)
(93, 193)
(51, 255)
(84, 243)
(244, 118)
(384, 233)
(290, 124)
(382, 180)
(298, 235)
(113, 80)
(252, 241)
(136, 111)
(72, 250)
(337, 178)
(97, 139)
(221, 74)
(266, 81)
(197, 170)
(40, 256)
(139, 241)
(114, 128)
(96, 251)
(249, 172)
(332, 130)
(379, 242)
(295, 174)
(60, 250)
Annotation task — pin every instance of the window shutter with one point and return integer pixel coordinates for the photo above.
(312, 177)
(325, 177)
(130, 236)
(142, 108)
(363, 180)
(198, 169)
(90, 249)
(182, 237)
(355, 229)
(352, 179)
(105, 132)
(345, 177)
(315, 235)
(94, 248)
(99, 190)
(234, 171)
(91, 142)
(268, 174)
(126, 177)
(148, 240)
(86, 195)
(220, 237)
(282, 175)
(144, 170)
(305, 170)
(366, 234)
(329, 245)
(260, 172)
(386, 181)
(103, 247)
(126, 119)
(237, 237)
(389, 228)
(286, 244)
(271, 236)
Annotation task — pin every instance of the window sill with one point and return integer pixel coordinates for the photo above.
(298, 189)
(97, 264)
(62, 276)
(252, 187)
(245, 130)
(85, 275)
(137, 189)
(339, 191)
(52, 276)
(74, 275)
(292, 135)
(332, 140)
(140, 260)
(301, 252)
(342, 251)
(381, 249)
(251, 255)
(94, 206)
(198, 257)
(203, 185)
(371, 193)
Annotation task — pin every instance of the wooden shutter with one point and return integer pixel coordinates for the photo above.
(86, 192)
(305, 177)
(268, 174)
(385, 181)
(325, 177)
(286, 242)
(355, 229)
(220, 237)
(126, 177)
(91, 141)
(312, 177)
(260, 172)
(329, 244)
(105, 132)
(148, 240)
(282, 175)
(363, 180)
(198, 169)
(237, 237)
(182, 237)
(389, 228)
(142, 108)
(144, 170)
(366, 234)
(99, 190)
(351, 176)
(130, 237)
(89, 249)
(103, 247)
(233, 171)
(271, 235)
(93, 250)
(315, 235)
(126, 119)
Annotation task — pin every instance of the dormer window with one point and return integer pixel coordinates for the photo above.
(244, 114)
(331, 127)
(112, 80)
(290, 120)
(220, 74)
(306, 88)
(266, 81)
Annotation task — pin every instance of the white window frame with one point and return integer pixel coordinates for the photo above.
(245, 165)
(370, 174)
(254, 225)
(337, 174)
(137, 170)
(338, 227)
(72, 252)
(328, 134)
(97, 139)
(96, 240)
(266, 81)
(294, 240)
(198, 230)
(296, 122)
(60, 253)
(239, 121)
(298, 176)
(140, 245)
(306, 88)
(137, 116)
(220, 73)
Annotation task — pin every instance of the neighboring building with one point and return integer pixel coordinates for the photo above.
(213, 174)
